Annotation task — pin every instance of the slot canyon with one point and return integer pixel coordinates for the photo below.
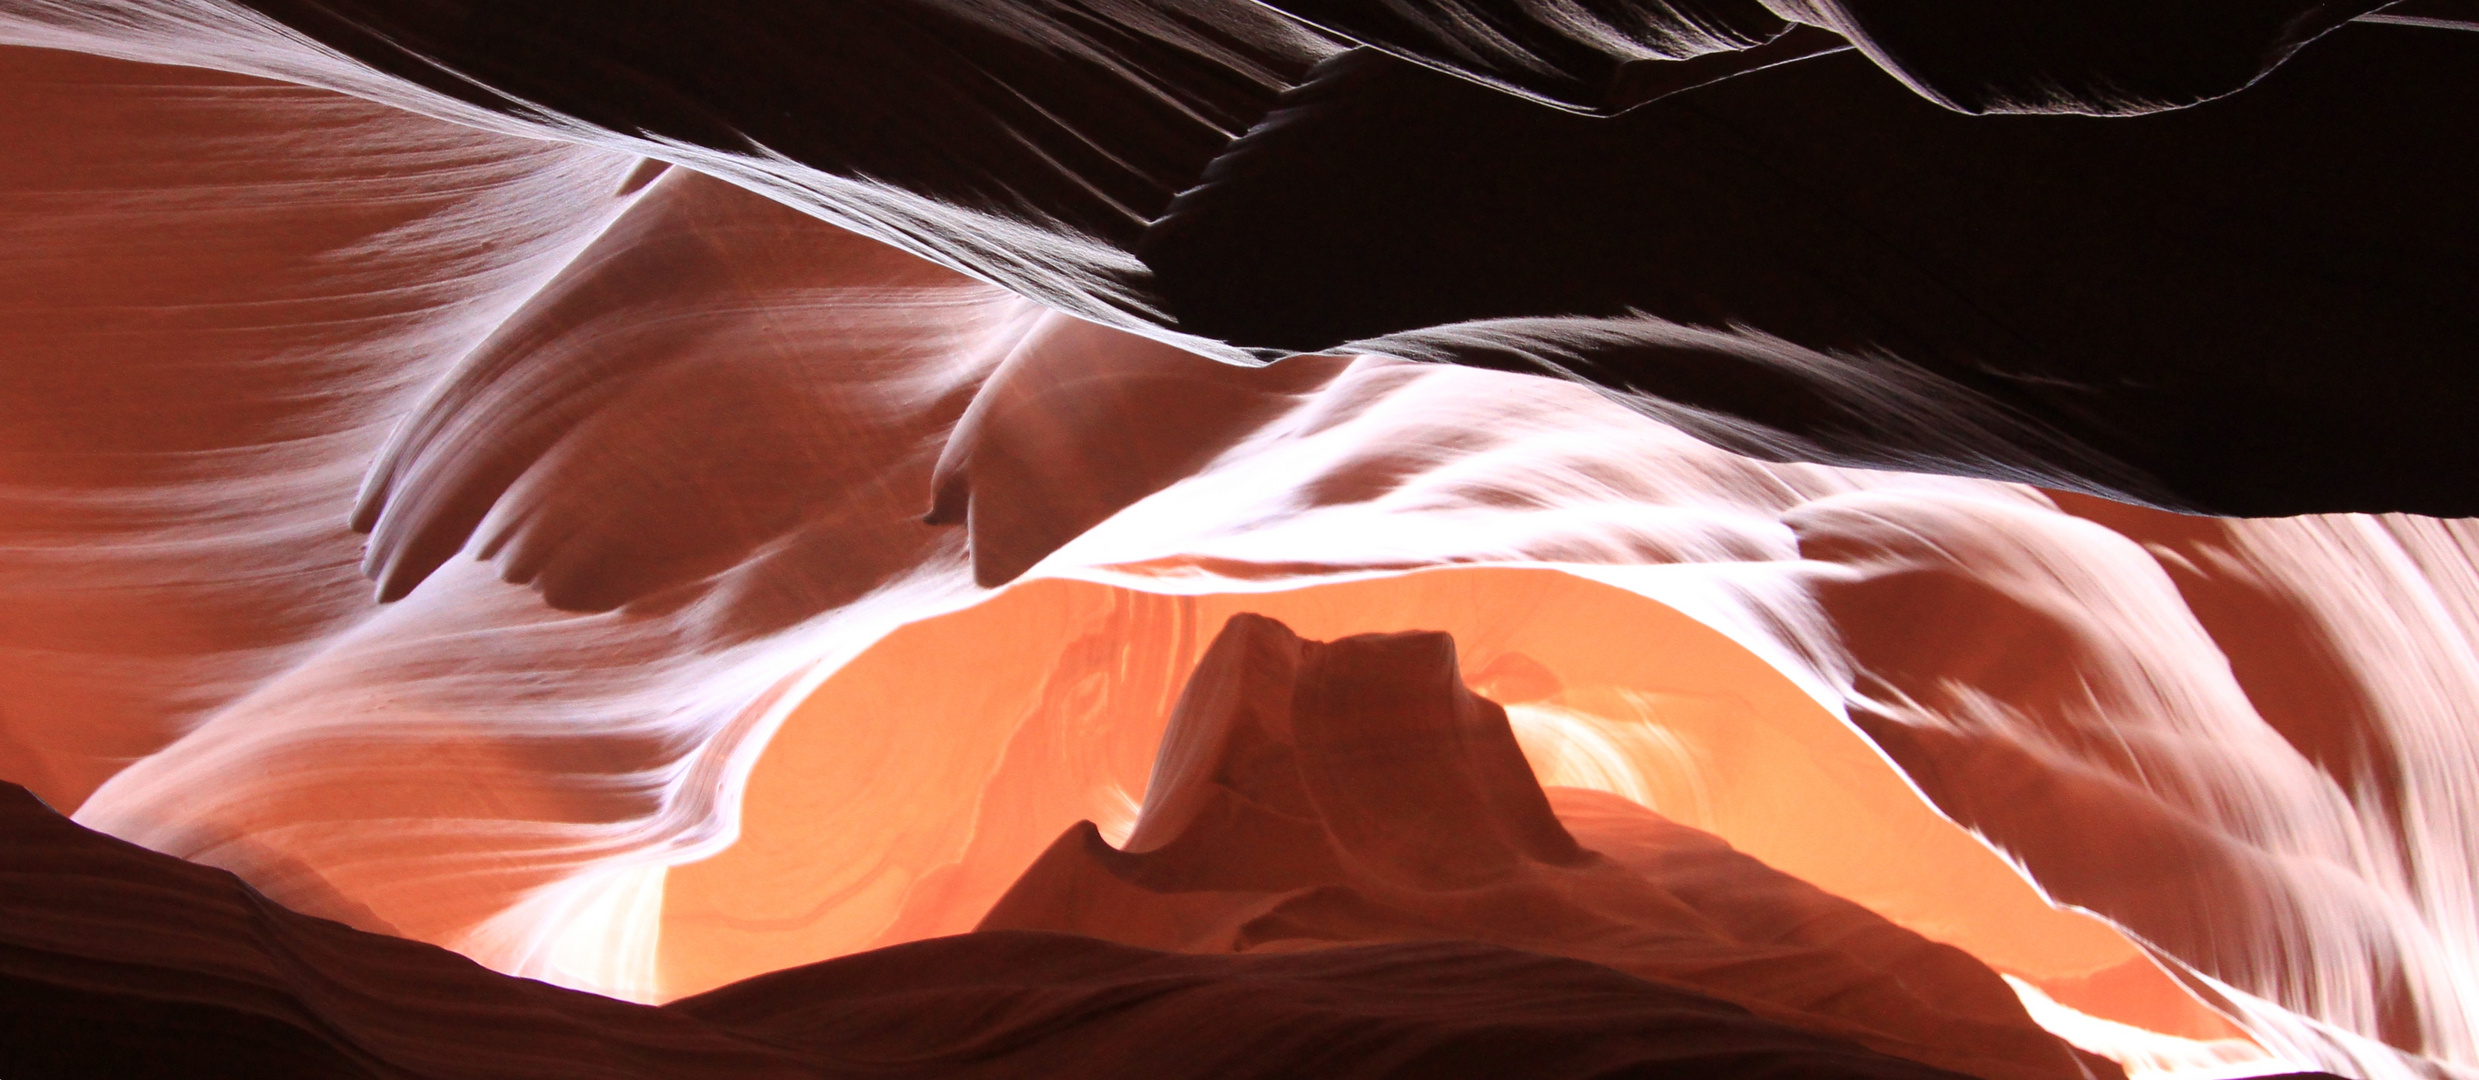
(1677, 539)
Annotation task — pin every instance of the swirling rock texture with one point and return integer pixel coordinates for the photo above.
(712, 504)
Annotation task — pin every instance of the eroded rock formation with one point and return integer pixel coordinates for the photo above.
(1316, 793)
(802, 451)
(117, 961)
(2145, 307)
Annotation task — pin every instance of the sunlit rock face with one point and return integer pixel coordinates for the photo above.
(1311, 793)
(661, 506)
(214, 318)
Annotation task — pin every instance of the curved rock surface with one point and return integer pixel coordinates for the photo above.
(1313, 793)
(118, 961)
(214, 317)
(2153, 307)
(704, 383)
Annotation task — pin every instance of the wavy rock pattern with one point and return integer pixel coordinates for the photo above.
(650, 340)
(2154, 303)
(1312, 792)
(118, 961)
(222, 294)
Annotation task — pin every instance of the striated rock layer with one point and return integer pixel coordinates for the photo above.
(2135, 284)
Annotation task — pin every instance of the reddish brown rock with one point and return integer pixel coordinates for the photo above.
(116, 961)
(1312, 794)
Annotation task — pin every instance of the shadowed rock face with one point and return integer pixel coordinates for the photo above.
(117, 961)
(2211, 259)
(1311, 794)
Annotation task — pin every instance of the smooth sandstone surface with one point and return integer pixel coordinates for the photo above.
(2211, 258)
(1310, 793)
(1643, 702)
(804, 452)
(119, 961)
